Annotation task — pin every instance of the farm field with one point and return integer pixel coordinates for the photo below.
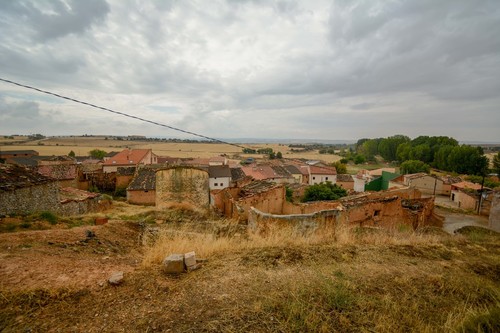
(82, 145)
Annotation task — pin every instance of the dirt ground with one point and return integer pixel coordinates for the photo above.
(56, 281)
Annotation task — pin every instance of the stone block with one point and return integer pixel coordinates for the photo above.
(174, 264)
(190, 259)
(116, 278)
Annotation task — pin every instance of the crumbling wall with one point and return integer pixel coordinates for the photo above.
(35, 198)
(379, 212)
(303, 223)
(223, 200)
(270, 202)
(419, 212)
(494, 220)
(78, 207)
(184, 185)
(141, 197)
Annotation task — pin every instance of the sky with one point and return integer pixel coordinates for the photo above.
(330, 70)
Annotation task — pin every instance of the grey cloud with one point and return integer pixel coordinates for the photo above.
(54, 19)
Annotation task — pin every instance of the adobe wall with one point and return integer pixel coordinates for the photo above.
(419, 211)
(270, 202)
(465, 201)
(223, 200)
(123, 181)
(494, 220)
(346, 185)
(141, 197)
(30, 199)
(182, 185)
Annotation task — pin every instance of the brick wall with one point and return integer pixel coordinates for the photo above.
(141, 197)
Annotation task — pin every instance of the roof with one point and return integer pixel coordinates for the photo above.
(125, 171)
(168, 160)
(292, 169)
(255, 187)
(450, 179)
(14, 177)
(145, 179)
(281, 171)
(344, 178)
(112, 154)
(378, 172)
(215, 171)
(237, 174)
(61, 158)
(18, 152)
(415, 175)
(260, 172)
(26, 161)
(59, 171)
(128, 157)
(316, 170)
(467, 185)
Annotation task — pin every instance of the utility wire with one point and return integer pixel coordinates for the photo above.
(119, 113)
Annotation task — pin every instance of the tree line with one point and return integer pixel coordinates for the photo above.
(423, 152)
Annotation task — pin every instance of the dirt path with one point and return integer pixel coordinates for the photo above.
(454, 221)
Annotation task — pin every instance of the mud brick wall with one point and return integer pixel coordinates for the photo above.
(141, 197)
(181, 185)
(30, 199)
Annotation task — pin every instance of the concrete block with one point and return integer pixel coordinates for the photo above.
(190, 259)
(174, 264)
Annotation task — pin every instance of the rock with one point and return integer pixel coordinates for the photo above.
(189, 259)
(100, 220)
(174, 264)
(116, 278)
(193, 267)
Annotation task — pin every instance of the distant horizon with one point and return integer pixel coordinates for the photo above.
(248, 140)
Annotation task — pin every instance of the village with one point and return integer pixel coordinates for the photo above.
(251, 191)
(137, 230)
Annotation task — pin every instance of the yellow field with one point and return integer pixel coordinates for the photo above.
(82, 145)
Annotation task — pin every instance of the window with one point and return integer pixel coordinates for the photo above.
(216, 184)
(326, 178)
(376, 213)
(314, 177)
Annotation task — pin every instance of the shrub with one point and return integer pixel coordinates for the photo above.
(49, 217)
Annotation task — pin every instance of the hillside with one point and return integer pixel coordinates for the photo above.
(360, 280)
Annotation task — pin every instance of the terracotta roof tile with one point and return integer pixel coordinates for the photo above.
(128, 157)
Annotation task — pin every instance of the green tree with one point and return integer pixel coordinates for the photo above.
(414, 166)
(469, 160)
(71, 154)
(279, 155)
(441, 158)
(340, 167)
(97, 153)
(358, 159)
(387, 147)
(288, 194)
(323, 191)
(421, 152)
(496, 164)
(403, 152)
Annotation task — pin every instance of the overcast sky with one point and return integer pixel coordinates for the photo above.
(261, 69)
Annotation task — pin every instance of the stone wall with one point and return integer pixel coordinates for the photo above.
(87, 206)
(182, 185)
(30, 199)
(494, 220)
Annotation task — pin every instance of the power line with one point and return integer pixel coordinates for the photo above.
(119, 113)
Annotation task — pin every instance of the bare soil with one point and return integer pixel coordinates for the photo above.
(55, 281)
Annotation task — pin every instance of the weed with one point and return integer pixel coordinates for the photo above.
(49, 217)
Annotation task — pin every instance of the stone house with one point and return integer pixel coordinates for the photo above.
(128, 158)
(142, 189)
(62, 168)
(23, 190)
(319, 175)
(427, 184)
(219, 177)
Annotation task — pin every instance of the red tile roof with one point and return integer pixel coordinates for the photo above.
(467, 185)
(128, 157)
(316, 170)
